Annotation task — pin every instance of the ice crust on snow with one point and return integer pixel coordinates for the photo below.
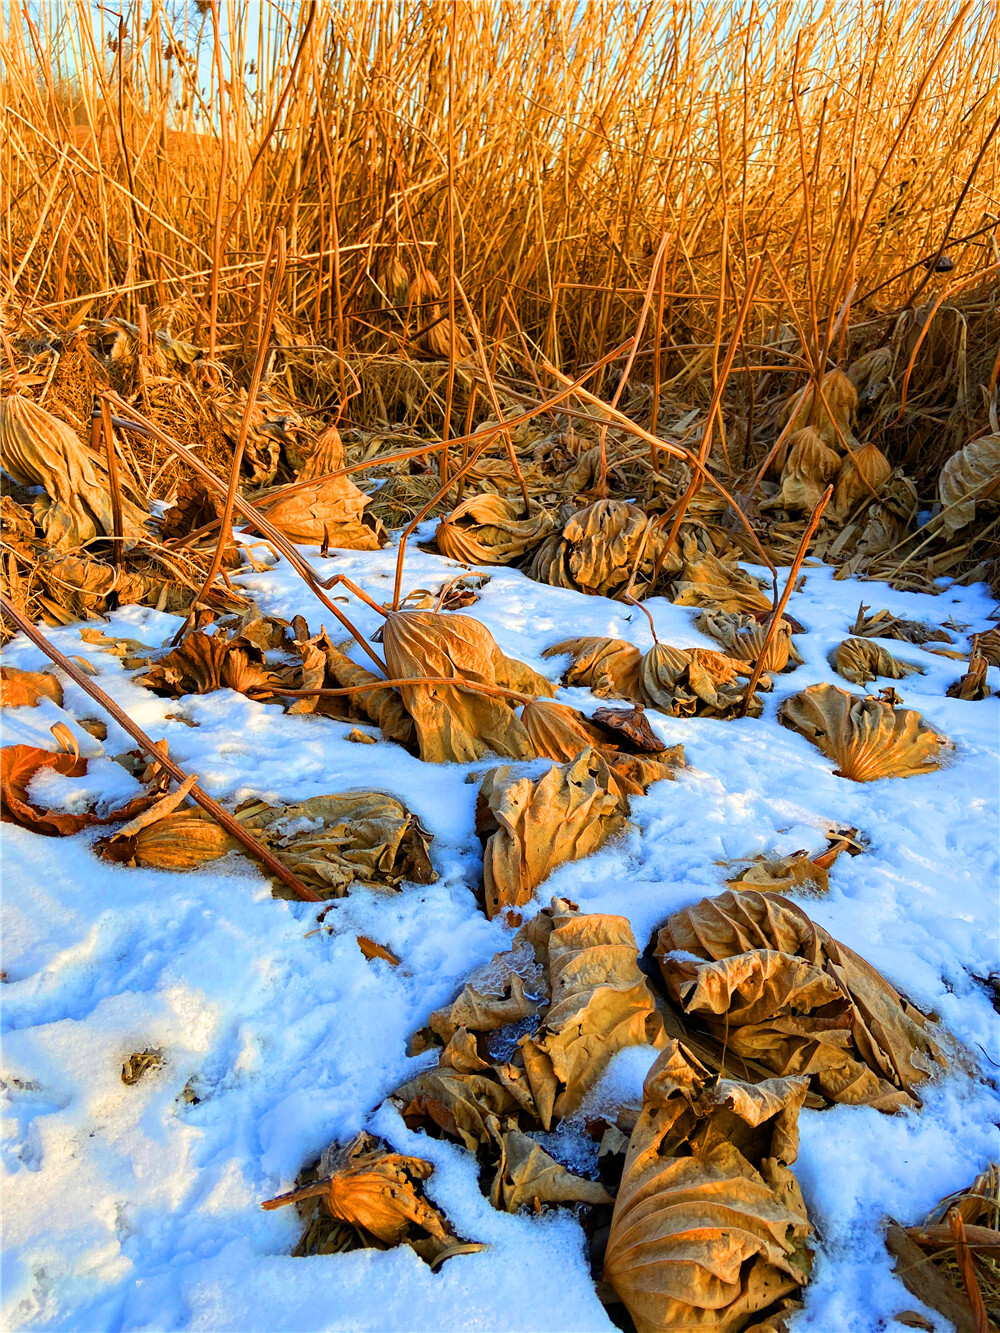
(137, 1208)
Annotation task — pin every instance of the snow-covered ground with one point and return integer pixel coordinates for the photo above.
(133, 1207)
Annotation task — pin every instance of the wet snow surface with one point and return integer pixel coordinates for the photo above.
(134, 1207)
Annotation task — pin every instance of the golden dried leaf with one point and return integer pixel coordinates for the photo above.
(972, 685)
(24, 688)
(709, 1229)
(326, 455)
(380, 705)
(715, 584)
(759, 974)
(461, 1104)
(453, 725)
(601, 1003)
(329, 513)
(40, 450)
(883, 625)
(608, 667)
(841, 398)
(372, 949)
(535, 826)
(607, 549)
(743, 636)
(512, 987)
(528, 1176)
(206, 662)
(861, 477)
(809, 466)
(867, 738)
(989, 646)
(862, 660)
(20, 763)
(696, 682)
(559, 732)
(967, 479)
(490, 530)
(184, 840)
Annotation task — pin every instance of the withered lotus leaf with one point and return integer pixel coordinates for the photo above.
(608, 667)
(809, 466)
(330, 512)
(453, 725)
(535, 826)
(862, 660)
(20, 763)
(528, 1176)
(696, 682)
(883, 625)
(40, 450)
(512, 987)
(635, 759)
(607, 549)
(206, 662)
(326, 455)
(989, 646)
(600, 1003)
(20, 689)
(860, 478)
(375, 1190)
(560, 732)
(490, 530)
(867, 738)
(183, 840)
(380, 705)
(972, 685)
(716, 584)
(312, 672)
(743, 636)
(709, 1229)
(842, 400)
(968, 478)
(761, 975)
(460, 1104)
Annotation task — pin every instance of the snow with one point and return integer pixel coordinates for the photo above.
(136, 1207)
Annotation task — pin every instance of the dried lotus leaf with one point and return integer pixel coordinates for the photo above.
(967, 479)
(608, 667)
(453, 725)
(490, 530)
(326, 513)
(601, 1002)
(808, 468)
(696, 682)
(20, 689)
(608, 549)
(883, 625)
(40, 450)
(326, 455)
(989, 646)
(184, 840)
(460, 1104)
(743, 637)
(206, 662)
(528, 1176)
(559, 732)
(708, 581)
(862, 660)
(709, 1229)
(972, 686)
(867, 738)
(18, 766)
(842, 400)
(760, 975)
(536, 826)
(861, 477)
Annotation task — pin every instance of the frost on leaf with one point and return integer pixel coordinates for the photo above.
(535, 826)
(757, 973)
(490, 530)
(867, 738)
(709, 1228)
(528, 1176)
(862, 660)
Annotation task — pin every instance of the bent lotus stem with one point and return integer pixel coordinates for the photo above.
(776, 614)
(210, 806)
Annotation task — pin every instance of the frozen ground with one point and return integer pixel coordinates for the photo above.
(128, 1207)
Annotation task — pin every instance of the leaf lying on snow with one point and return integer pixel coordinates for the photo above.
(607, 549)
(608, 667)
(535, 826)
(40, 450)
(206, 662)
(716, 584)
(380, 1193)
(867, 738)
(380, 705)
(743, 637)
(529, 1176)
(330, 513)
(455, 725)
(490, 530)
(709, 1229)
(883, 625)
(759, 974)
(20, 763)
(972, 685)
(635, 758)
(696, 682)
(19, 689)
(862, 660)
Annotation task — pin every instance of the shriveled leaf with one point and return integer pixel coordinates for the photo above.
(535, 826)
(608, 667)
(512, 987)
(966, 480)
(989, 646)
(607, 549)
(862, 660)
(867, 738)
(860, 478)
(529, 1176)
(559, 732)
(380, 705)
(20, 763)
(491, 530)
(328, 513)
(709, 1229)
(206, 662)
(19, 689)
(883, 625)
(758, 973)
(809, 466)
(184, 840)
(835, 409)
(460, 1104)
(973, 684)
(696, 682)
(743, 636)
(715, 584)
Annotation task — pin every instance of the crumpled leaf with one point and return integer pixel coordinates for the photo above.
(183, 840)
(380, 705)
(709, 1229)
(20, 689)
(989, 646)
(743, 637)
(460, 1104)
(326, 513)
(608, 667)
(20, 763)
(866, 737)
(697, 682)
(560, 732)
(205, 662)
(861, 477)
(378, 1192)
(40, 450)
(454, 725)
(809, 467)
(325, 455)
(758, 973)
(490, 530)
(511, 987)
(862, 660)
(968, 478)
(535, 826)
(196, 505)
(883, 625)
(708, 581)
(972, 686)
(528, 1176)
(601, 1002)
(842, 399)
(607, 549)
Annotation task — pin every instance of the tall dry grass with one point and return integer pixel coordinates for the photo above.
(510, 167)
